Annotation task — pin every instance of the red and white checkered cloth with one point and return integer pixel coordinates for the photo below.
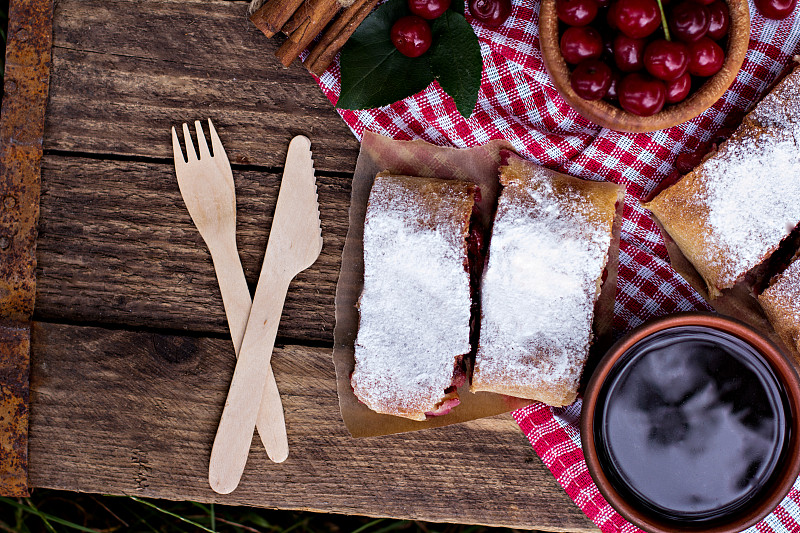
(518, 103)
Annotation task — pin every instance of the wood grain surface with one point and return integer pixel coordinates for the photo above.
(131, 358)
(124, 72)
(117, 246)
(135, 413)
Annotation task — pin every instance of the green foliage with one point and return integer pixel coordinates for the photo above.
(453, 38)
(55, 511)
(375, 73)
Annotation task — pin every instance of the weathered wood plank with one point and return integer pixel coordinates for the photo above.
(116, 245)
(124, 72)
(135, 413)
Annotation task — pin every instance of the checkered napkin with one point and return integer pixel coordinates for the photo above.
(518, 102)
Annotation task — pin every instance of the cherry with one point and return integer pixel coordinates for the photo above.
(580, 43)
(612, 94)
(687, 161)
(776, 9)
(491, 13)
(666, 60)
(428, 9)
(576, 12)
(637, 18)
(642, 95)
(411, 35)
(608, 49)
(591, 79)
(678, 89)
(603, 3)
(689, 21)
(719, 20)
(705, 57)
(703, 2)
(629, 53)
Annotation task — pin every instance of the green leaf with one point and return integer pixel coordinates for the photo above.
(374, 72)
(456, 60)
(458, 6)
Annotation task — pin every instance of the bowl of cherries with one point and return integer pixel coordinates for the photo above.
(643, 65)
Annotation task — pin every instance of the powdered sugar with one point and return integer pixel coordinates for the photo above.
(779, 108)
(415, 305)
(786, 292)
(753, 197)
(547, 251)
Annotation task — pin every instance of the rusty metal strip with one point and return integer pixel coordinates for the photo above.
(14, 367)
(27, 76)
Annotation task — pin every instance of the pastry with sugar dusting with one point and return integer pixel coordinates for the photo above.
(414, 327)
(781, 304)
(731, 213)
(547, 253)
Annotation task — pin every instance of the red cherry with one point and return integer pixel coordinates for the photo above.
(603, 3)
(686, 162)
(705, 57)
(678, 89)
(637, 18)
(703, 2)
(580, 43)
(491, 13)
(689, 21)
(629, 53)
(576, 12)
(428, 9)
(666, 60)
(411, 35)
(612, 94)
(719, 20)
(642, 95)
(776, 9)
(608, 49)
(590, 80)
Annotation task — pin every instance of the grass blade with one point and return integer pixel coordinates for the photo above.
(170, 513)
(45, 516)
(38, 513)
(369, 525)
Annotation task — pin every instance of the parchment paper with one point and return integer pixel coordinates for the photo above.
(416, 158)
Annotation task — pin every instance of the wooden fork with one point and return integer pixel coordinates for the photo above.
(206, 184)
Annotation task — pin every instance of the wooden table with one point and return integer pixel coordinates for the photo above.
(130, 354)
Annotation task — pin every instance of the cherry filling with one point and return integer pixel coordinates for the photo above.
(758, 277)
(476, 260)
(476, 255)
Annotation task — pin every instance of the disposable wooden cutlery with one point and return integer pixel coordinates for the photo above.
(206, 185)
(295, 242)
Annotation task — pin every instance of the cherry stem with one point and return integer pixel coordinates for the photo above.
(663, 20)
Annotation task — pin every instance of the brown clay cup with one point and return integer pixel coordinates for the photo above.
(786, 471)
(613, 117)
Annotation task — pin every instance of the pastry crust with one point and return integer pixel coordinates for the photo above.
(781, 304)
(415, 306)
(548, 250)
(732, 212)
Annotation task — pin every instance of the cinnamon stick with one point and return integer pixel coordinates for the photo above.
(337, 35)
(318, 13)
(296, 20)
(272, 16)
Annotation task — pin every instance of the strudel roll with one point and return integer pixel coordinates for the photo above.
(414, 328)
(547, 253)
(781, 304)
(731, 213)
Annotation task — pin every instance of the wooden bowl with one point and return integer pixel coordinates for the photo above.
(615, 118)
(786, 471)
